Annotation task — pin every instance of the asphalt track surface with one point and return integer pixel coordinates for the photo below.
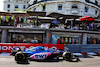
(90, 61)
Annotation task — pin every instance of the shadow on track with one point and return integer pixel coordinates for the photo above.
(58, 60)
(46, 60)
(25, 63)
(50, 60)
(87, 56)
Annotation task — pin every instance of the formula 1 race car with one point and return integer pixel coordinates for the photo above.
(40, 53)
(15, 50)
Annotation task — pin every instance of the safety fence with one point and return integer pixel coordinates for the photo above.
(7, 47)
(74, 48)
(82, 48)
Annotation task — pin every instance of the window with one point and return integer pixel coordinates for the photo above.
(99, 6)
(86, 9)
(8, 6)
(94, 39)
(74, 6)
(96, 12)
(23, 38)
(75, 9)
(24, 6)
(68, 39)
(59, 6)
(34, 9)
(16, 6)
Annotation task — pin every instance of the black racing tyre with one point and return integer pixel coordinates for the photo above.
(67, 56)
(77, 59)
(13, 53)
(19, 57)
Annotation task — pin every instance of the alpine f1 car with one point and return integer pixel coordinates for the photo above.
(40, 53)
(15, 50)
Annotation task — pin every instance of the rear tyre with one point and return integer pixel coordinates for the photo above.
(13, 53)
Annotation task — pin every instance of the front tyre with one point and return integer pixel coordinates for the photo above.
(19, 57)
(67, 56)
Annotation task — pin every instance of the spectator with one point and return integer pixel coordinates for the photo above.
(85, 25)
(24, 41)
(55, 22)
(65, 25)
(88, 28)
(30, 23)
(17, 21)
(82, 25)
(51, 25)
(58, 21)
(44, 25)
(10, 20)
(21, 23)
(4, 20)
(95, 27)
(62, 40)
(77, 28)
(58, 41)
(91, 26)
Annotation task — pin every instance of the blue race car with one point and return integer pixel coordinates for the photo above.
(15, 50)
(40, 53)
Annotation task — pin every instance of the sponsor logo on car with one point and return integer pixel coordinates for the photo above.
(41, 56)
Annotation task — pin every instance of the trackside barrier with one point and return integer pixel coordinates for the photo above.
(91, 48)
(7, 47)
(79, 48)
(73, 48)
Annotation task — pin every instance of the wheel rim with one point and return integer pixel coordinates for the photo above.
(20, 57)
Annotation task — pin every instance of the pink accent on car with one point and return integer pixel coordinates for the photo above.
(40, 56)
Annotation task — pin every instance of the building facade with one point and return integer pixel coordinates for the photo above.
(48, 36)
(52, 36)
(66, 7)
(13, 5)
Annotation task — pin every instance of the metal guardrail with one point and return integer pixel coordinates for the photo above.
(83, 48)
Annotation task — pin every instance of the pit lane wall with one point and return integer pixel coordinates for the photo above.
(7, 47)
(79, 48)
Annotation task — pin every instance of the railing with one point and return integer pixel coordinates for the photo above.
(83, 48)
(96, 3)
(36, 3)
(75, 10)
(24, 25)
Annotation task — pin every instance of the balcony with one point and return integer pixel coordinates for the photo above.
(96, 3)
(75, 11)
(35, 2)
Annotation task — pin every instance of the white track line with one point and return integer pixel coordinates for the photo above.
(91, 53)
(5, 54)
(78, 54)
